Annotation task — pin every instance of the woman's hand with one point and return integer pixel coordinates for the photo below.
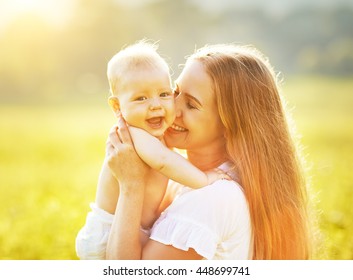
(125, 164)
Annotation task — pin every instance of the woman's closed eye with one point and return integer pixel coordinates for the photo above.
(190, 105)
(192, 102)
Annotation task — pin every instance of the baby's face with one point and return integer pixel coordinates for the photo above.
(146, 100)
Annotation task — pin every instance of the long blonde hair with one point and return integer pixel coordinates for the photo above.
(262, 149)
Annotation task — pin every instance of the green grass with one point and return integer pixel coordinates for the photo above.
(49, 162)
(323, 112)
(50, 158)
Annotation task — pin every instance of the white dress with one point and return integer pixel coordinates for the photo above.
(213, 220)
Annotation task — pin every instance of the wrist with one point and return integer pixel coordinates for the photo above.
(132, 187)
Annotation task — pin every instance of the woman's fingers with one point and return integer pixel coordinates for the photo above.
(109, 149)
(119, 134)
(113, 137)
(123, 131)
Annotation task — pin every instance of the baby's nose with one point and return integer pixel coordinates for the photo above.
(155, 104)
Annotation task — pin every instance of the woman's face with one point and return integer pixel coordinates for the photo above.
(197, 124)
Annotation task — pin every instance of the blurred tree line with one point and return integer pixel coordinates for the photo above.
(41, 61)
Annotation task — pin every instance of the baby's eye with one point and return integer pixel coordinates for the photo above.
(165, 94)
(141, 98)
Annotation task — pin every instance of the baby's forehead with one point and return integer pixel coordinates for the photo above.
(146, 66)
(147, 79)
(136, 67)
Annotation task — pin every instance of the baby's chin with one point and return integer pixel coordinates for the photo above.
(157, 134)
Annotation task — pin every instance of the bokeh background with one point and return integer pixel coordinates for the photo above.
(54, 116)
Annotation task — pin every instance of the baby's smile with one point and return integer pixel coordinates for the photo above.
(155, 122)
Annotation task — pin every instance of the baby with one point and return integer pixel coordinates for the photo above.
(141, 93)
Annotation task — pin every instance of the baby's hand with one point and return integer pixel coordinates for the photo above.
(216, 174)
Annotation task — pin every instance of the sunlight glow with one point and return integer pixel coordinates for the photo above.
(55, 12)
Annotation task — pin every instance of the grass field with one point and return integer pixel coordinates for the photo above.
(50, 157)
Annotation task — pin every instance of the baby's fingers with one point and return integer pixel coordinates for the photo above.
(222, 175)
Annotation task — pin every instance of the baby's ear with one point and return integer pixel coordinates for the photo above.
(114, 104)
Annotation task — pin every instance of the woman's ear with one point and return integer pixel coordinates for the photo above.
(114, 104)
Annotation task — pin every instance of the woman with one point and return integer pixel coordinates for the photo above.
(230, 116)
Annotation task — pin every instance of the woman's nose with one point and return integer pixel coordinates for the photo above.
(178, 109)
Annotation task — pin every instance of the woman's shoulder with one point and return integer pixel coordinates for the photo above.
(220, 188)
(221, 196)
(230, 187)
(219, 211)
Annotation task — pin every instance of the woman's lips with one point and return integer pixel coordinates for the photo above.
(178, 128)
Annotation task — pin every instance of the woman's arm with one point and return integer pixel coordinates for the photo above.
(155, 154)
(154, 250)
(131, 172)
(124, 240)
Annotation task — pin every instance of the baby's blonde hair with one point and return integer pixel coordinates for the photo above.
(261, 148)
(142, 54)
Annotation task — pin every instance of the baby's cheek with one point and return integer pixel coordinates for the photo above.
(132, 119)
(171, 116)
(170, 120)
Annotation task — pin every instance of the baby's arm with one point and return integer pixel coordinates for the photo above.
(154, 153)
(107, 190)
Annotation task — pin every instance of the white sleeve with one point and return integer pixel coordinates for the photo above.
(208, 220)
(91, 241)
